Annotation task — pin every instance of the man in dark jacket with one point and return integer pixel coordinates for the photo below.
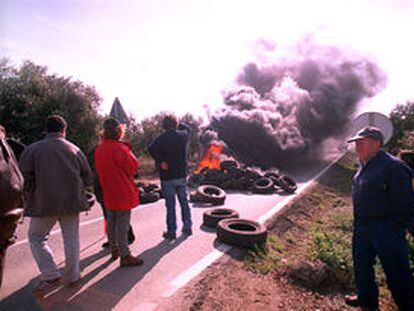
(383, 209)
(11, 197)
(169, 151)
(56, 174)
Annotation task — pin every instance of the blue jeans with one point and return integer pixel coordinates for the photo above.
(383, 239)
(178, 187)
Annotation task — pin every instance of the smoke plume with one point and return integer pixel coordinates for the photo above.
(283, 108)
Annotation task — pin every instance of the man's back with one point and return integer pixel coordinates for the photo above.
(171, 147)
(56, 172)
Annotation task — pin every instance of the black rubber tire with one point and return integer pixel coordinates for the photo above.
(150, 187)
(243, 233)
(211, 194)
(91, 198)
(195, 197)
(228, 165)
(148, 197)
(263, 185)
(212, 217)
(272, 175)
(287, 184)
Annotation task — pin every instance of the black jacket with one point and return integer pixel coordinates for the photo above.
(171, 147)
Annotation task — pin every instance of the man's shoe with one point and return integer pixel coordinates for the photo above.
(131, 261)
(169, 235)
(115, 254)
(105, 244)
(353, 301)
(46, 286)
(187, 231)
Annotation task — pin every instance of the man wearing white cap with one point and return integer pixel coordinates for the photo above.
(383, 208)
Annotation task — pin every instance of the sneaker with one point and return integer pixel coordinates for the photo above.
(131, 261)
(45, 286)
(169, 235)
(187, 231)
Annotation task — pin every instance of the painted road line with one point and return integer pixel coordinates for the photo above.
(262, 219)
(184, 277)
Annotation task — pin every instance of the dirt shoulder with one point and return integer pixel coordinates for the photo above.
(287, 277)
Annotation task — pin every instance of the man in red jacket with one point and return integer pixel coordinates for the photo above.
(116, 165)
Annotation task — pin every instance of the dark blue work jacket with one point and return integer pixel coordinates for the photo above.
(382, 189)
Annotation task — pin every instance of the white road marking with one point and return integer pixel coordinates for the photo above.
(184, 277)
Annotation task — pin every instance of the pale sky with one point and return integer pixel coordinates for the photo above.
(178, 55)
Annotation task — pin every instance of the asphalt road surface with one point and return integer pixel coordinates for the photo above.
(167, 265)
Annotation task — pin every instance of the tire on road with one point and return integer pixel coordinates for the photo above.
(243, 233)
(211, 194)
(212, 217)
(263, 185)
(148, 197)
(287, 184)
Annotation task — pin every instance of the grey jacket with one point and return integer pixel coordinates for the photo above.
(56, 173)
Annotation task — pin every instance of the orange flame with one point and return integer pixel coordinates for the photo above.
(211, 158)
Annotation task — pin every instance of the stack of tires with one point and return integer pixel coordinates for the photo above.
(148, 193)
(231, 230)
(231, 176)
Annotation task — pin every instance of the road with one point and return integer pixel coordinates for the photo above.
(167, 265)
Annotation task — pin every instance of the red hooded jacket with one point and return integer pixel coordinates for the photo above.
(116, 165)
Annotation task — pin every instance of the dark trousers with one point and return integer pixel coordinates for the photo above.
(99, 197)
(383, 239)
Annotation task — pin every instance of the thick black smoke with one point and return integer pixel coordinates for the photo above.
(282, 111)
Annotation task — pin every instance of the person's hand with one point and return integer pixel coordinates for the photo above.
(164, 166)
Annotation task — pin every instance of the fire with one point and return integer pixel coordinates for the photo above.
(211, 158)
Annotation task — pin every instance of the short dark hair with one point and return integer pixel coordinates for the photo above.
(55, 124)
(169, 123)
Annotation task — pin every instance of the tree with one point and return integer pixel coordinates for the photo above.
(29, 94)
(402, 118)
(143, 133)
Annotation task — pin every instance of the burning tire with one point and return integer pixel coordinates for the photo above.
(91, 198)
(287, 184)
(263, 185)
(212, 217)
(148, 197)
(241, 232)
(211, 194)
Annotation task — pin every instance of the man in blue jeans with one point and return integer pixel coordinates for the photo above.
(383, 208)
(169, 151)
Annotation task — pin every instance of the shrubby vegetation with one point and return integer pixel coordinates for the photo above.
(29, 94)
(402, 117)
